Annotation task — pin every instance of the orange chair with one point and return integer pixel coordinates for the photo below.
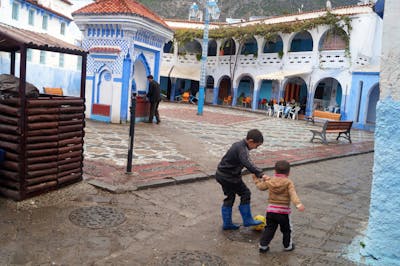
(228, 100)
(246, 101)
(185, 97)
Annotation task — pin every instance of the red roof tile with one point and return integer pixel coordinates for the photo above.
(120, 7)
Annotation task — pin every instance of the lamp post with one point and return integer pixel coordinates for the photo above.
(211, 8)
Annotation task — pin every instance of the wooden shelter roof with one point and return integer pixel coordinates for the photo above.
(12, 39)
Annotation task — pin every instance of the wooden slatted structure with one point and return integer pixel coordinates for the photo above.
(49, 154)
(42, 137)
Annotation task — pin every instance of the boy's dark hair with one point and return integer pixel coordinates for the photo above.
(255, 135)
(150, 77)
(282, 167)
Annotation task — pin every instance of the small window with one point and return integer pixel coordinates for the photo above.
(43, 57)
(31, 17)
(29, 55)
(15, 11)
(62, 28)
(45, 22)
(61, 60)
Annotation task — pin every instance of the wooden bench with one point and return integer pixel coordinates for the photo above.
(339, 127)
(317, 114)
(53, 91)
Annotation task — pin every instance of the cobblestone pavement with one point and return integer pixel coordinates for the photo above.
(181, 224)
(185, 144)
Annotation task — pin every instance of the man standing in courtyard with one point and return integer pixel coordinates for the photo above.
(154, 96)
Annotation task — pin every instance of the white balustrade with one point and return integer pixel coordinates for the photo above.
(269, 59)
(333, 59)
(300, 58)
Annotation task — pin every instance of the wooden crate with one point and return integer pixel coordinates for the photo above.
(43, 145)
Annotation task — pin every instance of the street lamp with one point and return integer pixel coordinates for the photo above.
(211, 8)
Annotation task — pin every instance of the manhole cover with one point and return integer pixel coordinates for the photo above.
(96, 217)
(193, 258)
(244, 234)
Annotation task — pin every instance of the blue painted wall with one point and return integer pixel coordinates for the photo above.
(265, 90)
(384, 207)
(356, 103)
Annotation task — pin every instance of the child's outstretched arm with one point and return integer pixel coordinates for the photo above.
(294, 198)
(260, 182)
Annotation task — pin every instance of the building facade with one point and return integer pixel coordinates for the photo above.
(335, 69)
(125, 42)
(43, 16)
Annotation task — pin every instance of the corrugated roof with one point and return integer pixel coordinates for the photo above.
(129, 7)
(12, 38)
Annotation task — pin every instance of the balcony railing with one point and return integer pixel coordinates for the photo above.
(300, 58)
(333, 59)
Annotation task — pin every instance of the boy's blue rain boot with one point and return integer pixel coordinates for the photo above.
(247, 217)
(227, 219)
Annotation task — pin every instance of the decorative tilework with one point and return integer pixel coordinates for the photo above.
(114, 65)
(149, 38)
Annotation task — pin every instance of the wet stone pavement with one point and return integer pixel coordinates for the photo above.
(85, 224)
(185, 146)
(181, 224)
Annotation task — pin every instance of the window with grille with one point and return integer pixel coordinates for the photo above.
(29, 55)
(62, 28)
(31, 17)
(43, 57)
(61, 60)
(45, 22)
(15, 11)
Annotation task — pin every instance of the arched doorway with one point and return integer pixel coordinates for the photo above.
(192, 47)
(328, 95)
(249, 47)
(212, 48)
(333, 40)
(372, 101)
(168, 48)
(104, 88)
(228, 47)
(245, 89)
(274, 45)
(140, 77)
(209, 89)
(296, 89)
(302, 42)
(224, 89)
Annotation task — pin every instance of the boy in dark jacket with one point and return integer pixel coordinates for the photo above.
(229, 176)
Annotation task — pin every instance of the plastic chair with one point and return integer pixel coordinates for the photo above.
(246, 101)
(269, 110)
(185, 97)
(278, 110)
(263, 103)
(294, 113)
(228, 100)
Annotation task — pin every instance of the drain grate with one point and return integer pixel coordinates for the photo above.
(193, 258)
(96, 217)
(244, 234)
